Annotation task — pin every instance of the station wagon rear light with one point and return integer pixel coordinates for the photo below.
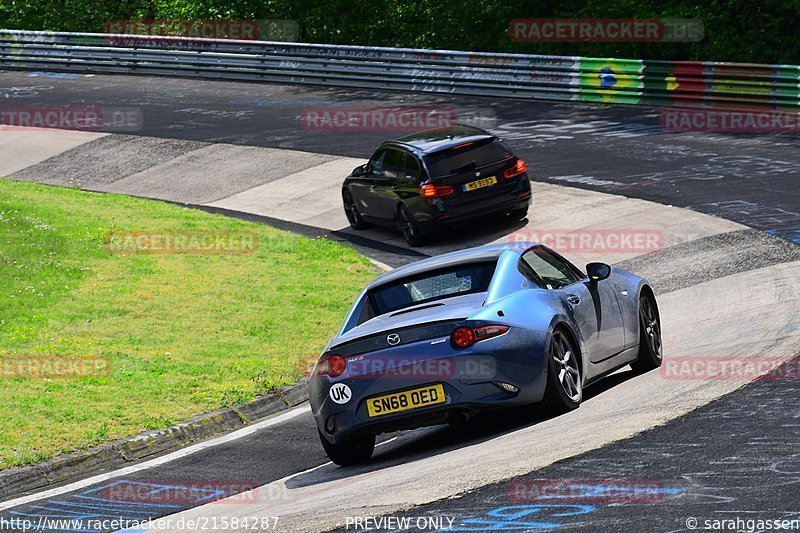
(334, 366)
(463, 145)
(464, 337)
(516, 170)
(433, 191)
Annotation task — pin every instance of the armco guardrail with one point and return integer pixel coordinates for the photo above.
(628, 81)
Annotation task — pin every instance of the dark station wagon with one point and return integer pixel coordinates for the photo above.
(437, 178)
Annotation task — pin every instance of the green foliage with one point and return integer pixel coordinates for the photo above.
(736, 30)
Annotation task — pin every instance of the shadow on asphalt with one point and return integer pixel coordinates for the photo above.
(414, 445)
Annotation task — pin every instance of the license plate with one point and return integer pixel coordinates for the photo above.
(405, 401)
(479, 184)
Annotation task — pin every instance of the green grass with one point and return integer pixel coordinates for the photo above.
(184, 333)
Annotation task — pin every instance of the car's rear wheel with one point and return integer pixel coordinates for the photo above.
(349, 452)
(351, 210)
(408, 225)
(564, 389)
(650, 347)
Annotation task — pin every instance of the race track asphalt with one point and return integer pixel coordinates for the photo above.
(738, 454)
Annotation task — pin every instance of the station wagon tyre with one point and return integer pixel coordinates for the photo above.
(409, 227)
(564, 389)
(518, 214)
(351, 210)
(651, 351)
(350, 452)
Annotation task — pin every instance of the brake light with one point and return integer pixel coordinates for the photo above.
(463, 145)
(464, 337)
(432, 191)
(516, 170)
(334, 366)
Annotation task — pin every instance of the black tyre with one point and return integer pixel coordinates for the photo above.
(350, 452)
(564, 390)
(351, 210)
(651, 351)
(408, 225)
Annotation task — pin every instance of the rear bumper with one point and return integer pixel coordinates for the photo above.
(438, 213)
(466, 376)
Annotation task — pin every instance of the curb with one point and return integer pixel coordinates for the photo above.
(123, 452)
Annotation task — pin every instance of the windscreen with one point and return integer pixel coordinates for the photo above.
(430, 286)
(463, 159)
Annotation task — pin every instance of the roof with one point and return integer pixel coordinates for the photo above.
(469, 255)
(437, 139)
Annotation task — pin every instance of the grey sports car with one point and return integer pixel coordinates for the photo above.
(495, 326)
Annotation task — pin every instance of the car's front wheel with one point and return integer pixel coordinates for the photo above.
(351, 210)
(564, 389)
(349, 452)
(650, 348)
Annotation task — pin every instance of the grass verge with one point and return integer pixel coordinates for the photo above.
(182, 333)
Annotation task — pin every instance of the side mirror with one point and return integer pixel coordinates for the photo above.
(359, 170)
(598, 271)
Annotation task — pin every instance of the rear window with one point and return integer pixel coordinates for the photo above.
(430, 286)
(464, 159)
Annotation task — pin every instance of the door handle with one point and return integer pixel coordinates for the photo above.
(574, 300)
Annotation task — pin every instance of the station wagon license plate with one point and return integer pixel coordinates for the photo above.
(479, 184)
(405, 401)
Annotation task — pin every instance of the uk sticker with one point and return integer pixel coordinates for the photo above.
(340, 393)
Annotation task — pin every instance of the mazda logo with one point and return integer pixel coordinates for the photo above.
(393, 339)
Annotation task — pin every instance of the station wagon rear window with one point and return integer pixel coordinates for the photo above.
(465, 158)
(430, 286)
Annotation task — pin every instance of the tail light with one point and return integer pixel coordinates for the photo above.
(432, 191)
(464, 337)
(519, 168)
(334, 366)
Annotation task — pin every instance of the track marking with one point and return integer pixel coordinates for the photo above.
(189, 450)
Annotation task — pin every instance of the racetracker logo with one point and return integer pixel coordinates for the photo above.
(206, 29)
(181, 242)
(466, 367)
(714, 120)
(730, 368)
(593, 240)
(92, 118)
(380, 119)
(56, 367)
(182, 492)
(587, 490)
(552, 30)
